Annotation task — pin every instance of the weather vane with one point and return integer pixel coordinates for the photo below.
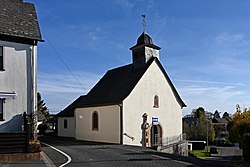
(144, 23)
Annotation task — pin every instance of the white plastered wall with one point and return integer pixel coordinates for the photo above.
(109, 124)
(70, 130)
(141, 100)
(17, 78)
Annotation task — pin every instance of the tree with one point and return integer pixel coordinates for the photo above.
(41, 107)
(42, 114)
(200, 113)
(198, 130)
(187, 130)
(216, 114)
(246, 148)
(239, 125)
(239, 131)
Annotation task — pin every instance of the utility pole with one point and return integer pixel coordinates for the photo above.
(207, 135)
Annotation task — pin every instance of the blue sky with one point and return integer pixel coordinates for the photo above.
(205, 47)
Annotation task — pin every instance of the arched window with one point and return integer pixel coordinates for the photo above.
(95, 121)
(65, 124)
(156, 101)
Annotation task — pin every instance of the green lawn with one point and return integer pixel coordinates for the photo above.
(202, 153)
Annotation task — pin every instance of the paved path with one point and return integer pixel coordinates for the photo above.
(229, 154)
(100, 155)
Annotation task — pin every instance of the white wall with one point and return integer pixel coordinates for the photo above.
(17, 78)
(70, 130)
(141, 100)
(109, 124)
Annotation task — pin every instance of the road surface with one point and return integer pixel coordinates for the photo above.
(91, 154)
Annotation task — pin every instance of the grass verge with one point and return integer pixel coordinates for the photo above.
(203, 153)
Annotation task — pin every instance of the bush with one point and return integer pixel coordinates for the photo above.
(34, 146)
(191, 154)
(246, 148)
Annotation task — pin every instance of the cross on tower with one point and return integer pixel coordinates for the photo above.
(144, 23)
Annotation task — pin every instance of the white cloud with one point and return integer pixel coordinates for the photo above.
(128, 5)
(65, 82)
(60, 89)
(209, 82)
(197, 90)
(213, 96)
(226, 39)
(222, 93)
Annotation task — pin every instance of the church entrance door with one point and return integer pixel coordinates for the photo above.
(156, 135)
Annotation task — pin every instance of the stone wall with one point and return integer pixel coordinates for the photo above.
(180, 148)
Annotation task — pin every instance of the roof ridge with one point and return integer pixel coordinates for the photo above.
(117, 68)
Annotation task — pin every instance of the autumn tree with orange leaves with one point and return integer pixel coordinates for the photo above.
(239, 131)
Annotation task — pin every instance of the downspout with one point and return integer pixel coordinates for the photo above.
(75, 123)
(34, 88)
(121, 123)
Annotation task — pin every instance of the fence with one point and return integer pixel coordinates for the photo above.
(15, 142)
(169, 140)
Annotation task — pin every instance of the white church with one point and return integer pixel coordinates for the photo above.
(136, 104)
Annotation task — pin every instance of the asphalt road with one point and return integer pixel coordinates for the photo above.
(100, 155)
(229, 154)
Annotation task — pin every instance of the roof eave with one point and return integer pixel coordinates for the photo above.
(20, 39)
(178, 97)
(98, 105)
(143, 45)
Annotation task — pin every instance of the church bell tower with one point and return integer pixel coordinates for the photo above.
(144, 50)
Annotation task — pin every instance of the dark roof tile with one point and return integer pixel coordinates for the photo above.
(114, 87)
(19, 19)
(220, 120)
(69, 111)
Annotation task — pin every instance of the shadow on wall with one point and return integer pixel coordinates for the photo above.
(13, 125)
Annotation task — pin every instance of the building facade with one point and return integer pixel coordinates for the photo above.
(19, 36)
(136, 104)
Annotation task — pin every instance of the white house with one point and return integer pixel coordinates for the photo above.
(19, 35)
(136, 104)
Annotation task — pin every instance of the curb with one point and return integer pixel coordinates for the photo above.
(4, 158)
(48, 162)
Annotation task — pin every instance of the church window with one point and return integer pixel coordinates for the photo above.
(95, 121)
(139, 56)
(156, 101)
(65, 124)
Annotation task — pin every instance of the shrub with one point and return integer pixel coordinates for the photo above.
(246, 148)
(34, 146)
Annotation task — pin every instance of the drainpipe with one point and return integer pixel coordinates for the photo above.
(34, 88)
(121, 123)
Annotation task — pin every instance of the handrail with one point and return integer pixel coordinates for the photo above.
(173, 139)
(129, 136)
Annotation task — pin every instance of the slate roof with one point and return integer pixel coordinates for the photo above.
(69, 110)
(190, 120)
(114, 87)
(145, 40)
(220, 120)
(19, 19)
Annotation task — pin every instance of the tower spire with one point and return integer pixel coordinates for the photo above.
(144, 23)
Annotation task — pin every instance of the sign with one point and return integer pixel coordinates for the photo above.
(154, 119)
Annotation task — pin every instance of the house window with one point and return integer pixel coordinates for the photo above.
(1, 58)
(95, 121)
(156, 101)
(65, 124)
(1, 109)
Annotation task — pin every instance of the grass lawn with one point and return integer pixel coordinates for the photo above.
(202, 153)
